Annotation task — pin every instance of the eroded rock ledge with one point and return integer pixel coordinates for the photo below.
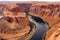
(49, 12)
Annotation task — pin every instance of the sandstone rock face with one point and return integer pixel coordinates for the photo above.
(16, 22)
(15, 16)
(51, 14)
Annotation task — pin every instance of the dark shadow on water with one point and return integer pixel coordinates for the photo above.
(38, 20)
(41, 28)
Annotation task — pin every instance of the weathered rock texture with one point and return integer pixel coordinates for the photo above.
(51, 14)
(15, 24)
(48, 11)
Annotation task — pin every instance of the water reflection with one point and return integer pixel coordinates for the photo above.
(41, 28)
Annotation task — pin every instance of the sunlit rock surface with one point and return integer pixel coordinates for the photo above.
(49, 12)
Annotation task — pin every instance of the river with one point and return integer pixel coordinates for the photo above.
(41, 28)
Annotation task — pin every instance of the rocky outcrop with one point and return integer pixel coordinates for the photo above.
(49, 12)
(15, 23)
